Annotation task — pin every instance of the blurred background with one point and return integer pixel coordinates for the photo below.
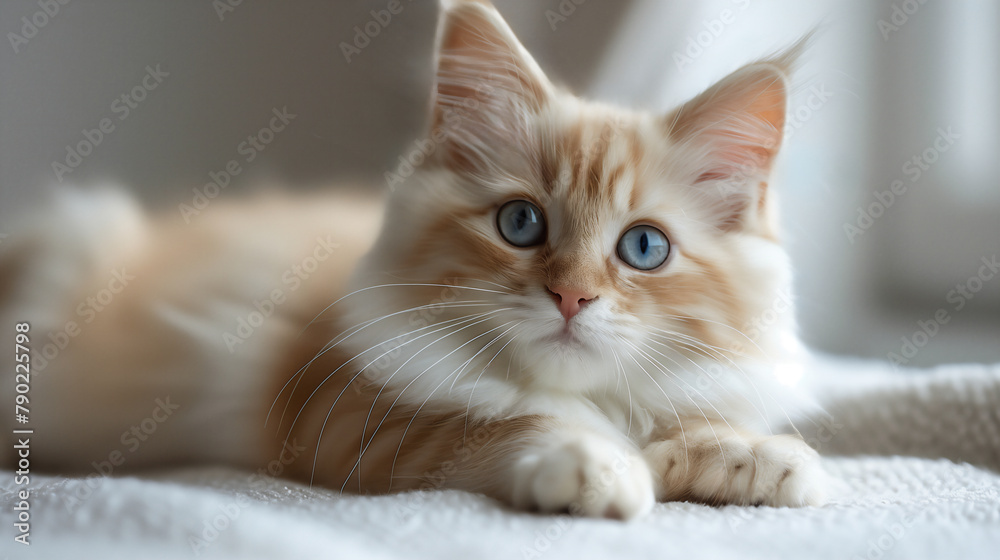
(888, 181)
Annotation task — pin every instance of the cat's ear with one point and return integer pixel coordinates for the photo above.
(487, 86)
(730, 135)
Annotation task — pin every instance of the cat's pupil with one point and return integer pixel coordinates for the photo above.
(644, 243)
(520, 219)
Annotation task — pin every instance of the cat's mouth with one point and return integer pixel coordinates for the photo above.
(568, 337)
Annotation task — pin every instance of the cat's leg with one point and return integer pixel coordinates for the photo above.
(370, 443)
(717, 464)
(565, 468)
(538, 463)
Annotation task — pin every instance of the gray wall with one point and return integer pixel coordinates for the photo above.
(225, 77)
(226, 74)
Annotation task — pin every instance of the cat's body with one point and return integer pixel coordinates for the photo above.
(508, 332)
(166, 308)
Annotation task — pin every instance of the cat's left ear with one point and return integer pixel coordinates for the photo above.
(730, 136)
(487, 86)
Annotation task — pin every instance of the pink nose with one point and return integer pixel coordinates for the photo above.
(570, 301)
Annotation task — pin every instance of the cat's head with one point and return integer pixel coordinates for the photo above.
(588, 241)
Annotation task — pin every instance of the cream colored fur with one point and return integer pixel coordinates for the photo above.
(653, 391)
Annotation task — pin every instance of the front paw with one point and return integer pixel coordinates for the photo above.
(588, 476)
(788, 473)
(729, 468)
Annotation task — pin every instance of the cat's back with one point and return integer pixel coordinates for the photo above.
(175, 319)
(286, 248)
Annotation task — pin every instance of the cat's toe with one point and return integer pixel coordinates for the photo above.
(789, 473)
(728, 468)
(589, 476)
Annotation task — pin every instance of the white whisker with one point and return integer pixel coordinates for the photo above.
(361, 370)
(676, 377)
(628, 390)
(680, 424)
(329, 346)
(706, 373)
(355, 292)
(403, 390)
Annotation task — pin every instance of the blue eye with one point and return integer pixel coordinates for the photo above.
(521, 223)
(644, 247)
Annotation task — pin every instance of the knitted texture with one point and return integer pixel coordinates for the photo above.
(913, 460)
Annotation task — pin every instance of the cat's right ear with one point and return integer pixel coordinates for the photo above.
(487, 86)
(732, 133)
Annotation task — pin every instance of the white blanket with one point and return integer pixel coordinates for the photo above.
(915, 458)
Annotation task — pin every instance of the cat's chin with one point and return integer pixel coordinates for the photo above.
(569, 342)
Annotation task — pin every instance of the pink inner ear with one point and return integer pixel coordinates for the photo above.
(711, 176)
(735, 165)
(488, 81)
(739, 122)
(737, 160)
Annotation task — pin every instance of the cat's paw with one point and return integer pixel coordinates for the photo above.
(588, 476)
(788, 474)
(730, 468)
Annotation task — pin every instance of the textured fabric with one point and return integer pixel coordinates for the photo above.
(927, 505)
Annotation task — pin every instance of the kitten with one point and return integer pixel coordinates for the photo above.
(554, 311)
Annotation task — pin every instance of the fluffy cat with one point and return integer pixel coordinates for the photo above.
(555, 311)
